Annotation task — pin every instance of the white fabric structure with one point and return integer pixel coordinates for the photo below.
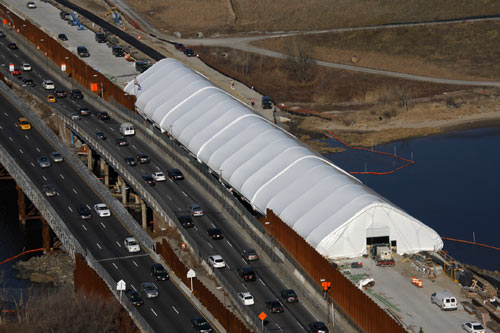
(330, 209)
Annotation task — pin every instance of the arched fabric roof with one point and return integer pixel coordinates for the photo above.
(330, 209)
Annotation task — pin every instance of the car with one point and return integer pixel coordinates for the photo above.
(100, 37)
(150, 289)
(49, 190)
(175, 174)
(62, 37)
(84, 111)
(2, 34)
(75, 94)
(102, 115)
(29, 82)
(195, 210)
(31, 5)
(60, 93)
(75, 116)
(24, 124)
(100, 135)
(25, 67)
(159, 176)
(48, 85)
(179, 47)
(249, 255)
(131, 244)
(130, 161)
(274, 306)
(84, 212)
(216, 261)
(12, 46)
(215, 233)
(247, 273)
(51, 99)
(142, 66)
(16, 71)
(148, 179)
(142, 158)
(246, 298)
(82, 52)
(267, 103)
(289, 296)
(473, 327)
(56, 157)
(159, 272)
(318, 327)
(189, 52)
(134, 297)
(200, 325)
(117, 51)
(43, 161)
(122, 142)
(64, 15)
(186, 221)
(102, 210)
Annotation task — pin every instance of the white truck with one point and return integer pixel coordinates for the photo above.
(127, 129)
(382, 254)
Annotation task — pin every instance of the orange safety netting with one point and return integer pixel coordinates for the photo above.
(469, 242)
(20, 254)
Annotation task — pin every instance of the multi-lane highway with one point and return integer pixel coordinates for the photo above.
(104, 236)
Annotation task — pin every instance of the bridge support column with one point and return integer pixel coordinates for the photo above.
(105, 172)
(144, 214)
(45, 236)
(21, 206)
(89, 158)
(123, 188)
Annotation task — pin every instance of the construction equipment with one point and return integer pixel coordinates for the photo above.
(115, 15)
(382, 254)
(74, 21)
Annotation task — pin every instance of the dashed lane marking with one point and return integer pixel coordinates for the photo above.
(75, 191)
(99, 246)
(173, 307)
(133, 261)
(229, 243)
(118, 244)
(61, 176)
(70, 209)
(84, 227)
(114, 265)
(103, 225)
(154, 312)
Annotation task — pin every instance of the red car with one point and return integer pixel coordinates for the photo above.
(16, 71)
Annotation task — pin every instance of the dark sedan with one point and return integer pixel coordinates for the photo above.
(130, 161)
(62, 37)
(142, 158)
(76, 94)
(215, 233)
(84, 212)
(103, 115)
(122, 142)
(274, 307)
(189, 53)
(159, 272)
(60, 93)
(12, 46)
(186, 221)
(148, 179)
(175, 174)
(289, 296)
(134, 297)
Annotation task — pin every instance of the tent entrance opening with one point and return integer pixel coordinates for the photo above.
(377, 240)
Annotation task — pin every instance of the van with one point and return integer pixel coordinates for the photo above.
(127, 129)
(100, 37)
(445, 300)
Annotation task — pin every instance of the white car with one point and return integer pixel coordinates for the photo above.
(216, 261)
(159, 176)
(131, 244)
(246, 298)
(48, 85)
(26, 67)
(31, 5)
(102, 210)
(473, 327)
(195, 210)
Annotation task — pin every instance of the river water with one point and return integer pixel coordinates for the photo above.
(453, 187)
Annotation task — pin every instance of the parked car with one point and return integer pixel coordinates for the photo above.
(179, 47)
(31, 5)
(12, 46)
(24, 124)
(159, 176)
(215, 233)
(246, 298)
(62, 37)
(100, 37)
(117, 51)
(200, 325)
(267, 103)
(84, 111)
(44, 162)
(102, 115)
(247, 273)
(134, 297)
(75, 94)
(48, 85)
(274, 306)
(473, 327)
(100, 135)
(189, 52)
(60, 93)
(159, 272)
(122, 142)
(445, 300)
(142, 66)
(102, 210)
(148, 179)
(249, 255)
(25, 67)
(84, 212)
(216, 261)
(318, 327)
(149, 289)
(175, 174)
(289, 296)
(131, 244)
(130, 161)
(56, 157)
(186, 221)
(51, 99)
(29, 82)
(142, 158)
(64, 15)
(82, 52)
(49, 190)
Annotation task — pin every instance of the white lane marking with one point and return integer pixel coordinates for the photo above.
(278, 326)
(111, 128)
(133, 287)
(61, 176)
(195, 228)
(75, 191)
(153, 312)
(133, 261)
(158, 168)
(5, 113)
(179, 209)
(11, 139)
(37, 149)
(26, 136)
(1, 127)
(229, 243)
(213, 225)
(118, 244)
(44, 178)
(184, 194)
(262, 282)
(84, 227)
(169, 198)
(210, 245)
(228, 266)
(103, 225)
(20, 150)
(133, 146)
(33, 165)
(173, 307)
(243, 260)
(114, 265)
(70, 209)
(99, 246)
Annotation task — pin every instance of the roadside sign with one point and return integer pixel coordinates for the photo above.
(11, 67)
(191, 274)
(262, 316)
(63, 67)
(121, 285)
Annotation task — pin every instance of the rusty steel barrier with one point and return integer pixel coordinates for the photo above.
(230, 322)
(352, 301)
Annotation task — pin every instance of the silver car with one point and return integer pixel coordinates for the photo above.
(44, 162)
(195, 210)
(49, 190)
(149, 289)
(56, 157)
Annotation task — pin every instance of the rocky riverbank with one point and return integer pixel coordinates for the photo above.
(55, 268)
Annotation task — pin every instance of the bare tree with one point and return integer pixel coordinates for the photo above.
(298, 61)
